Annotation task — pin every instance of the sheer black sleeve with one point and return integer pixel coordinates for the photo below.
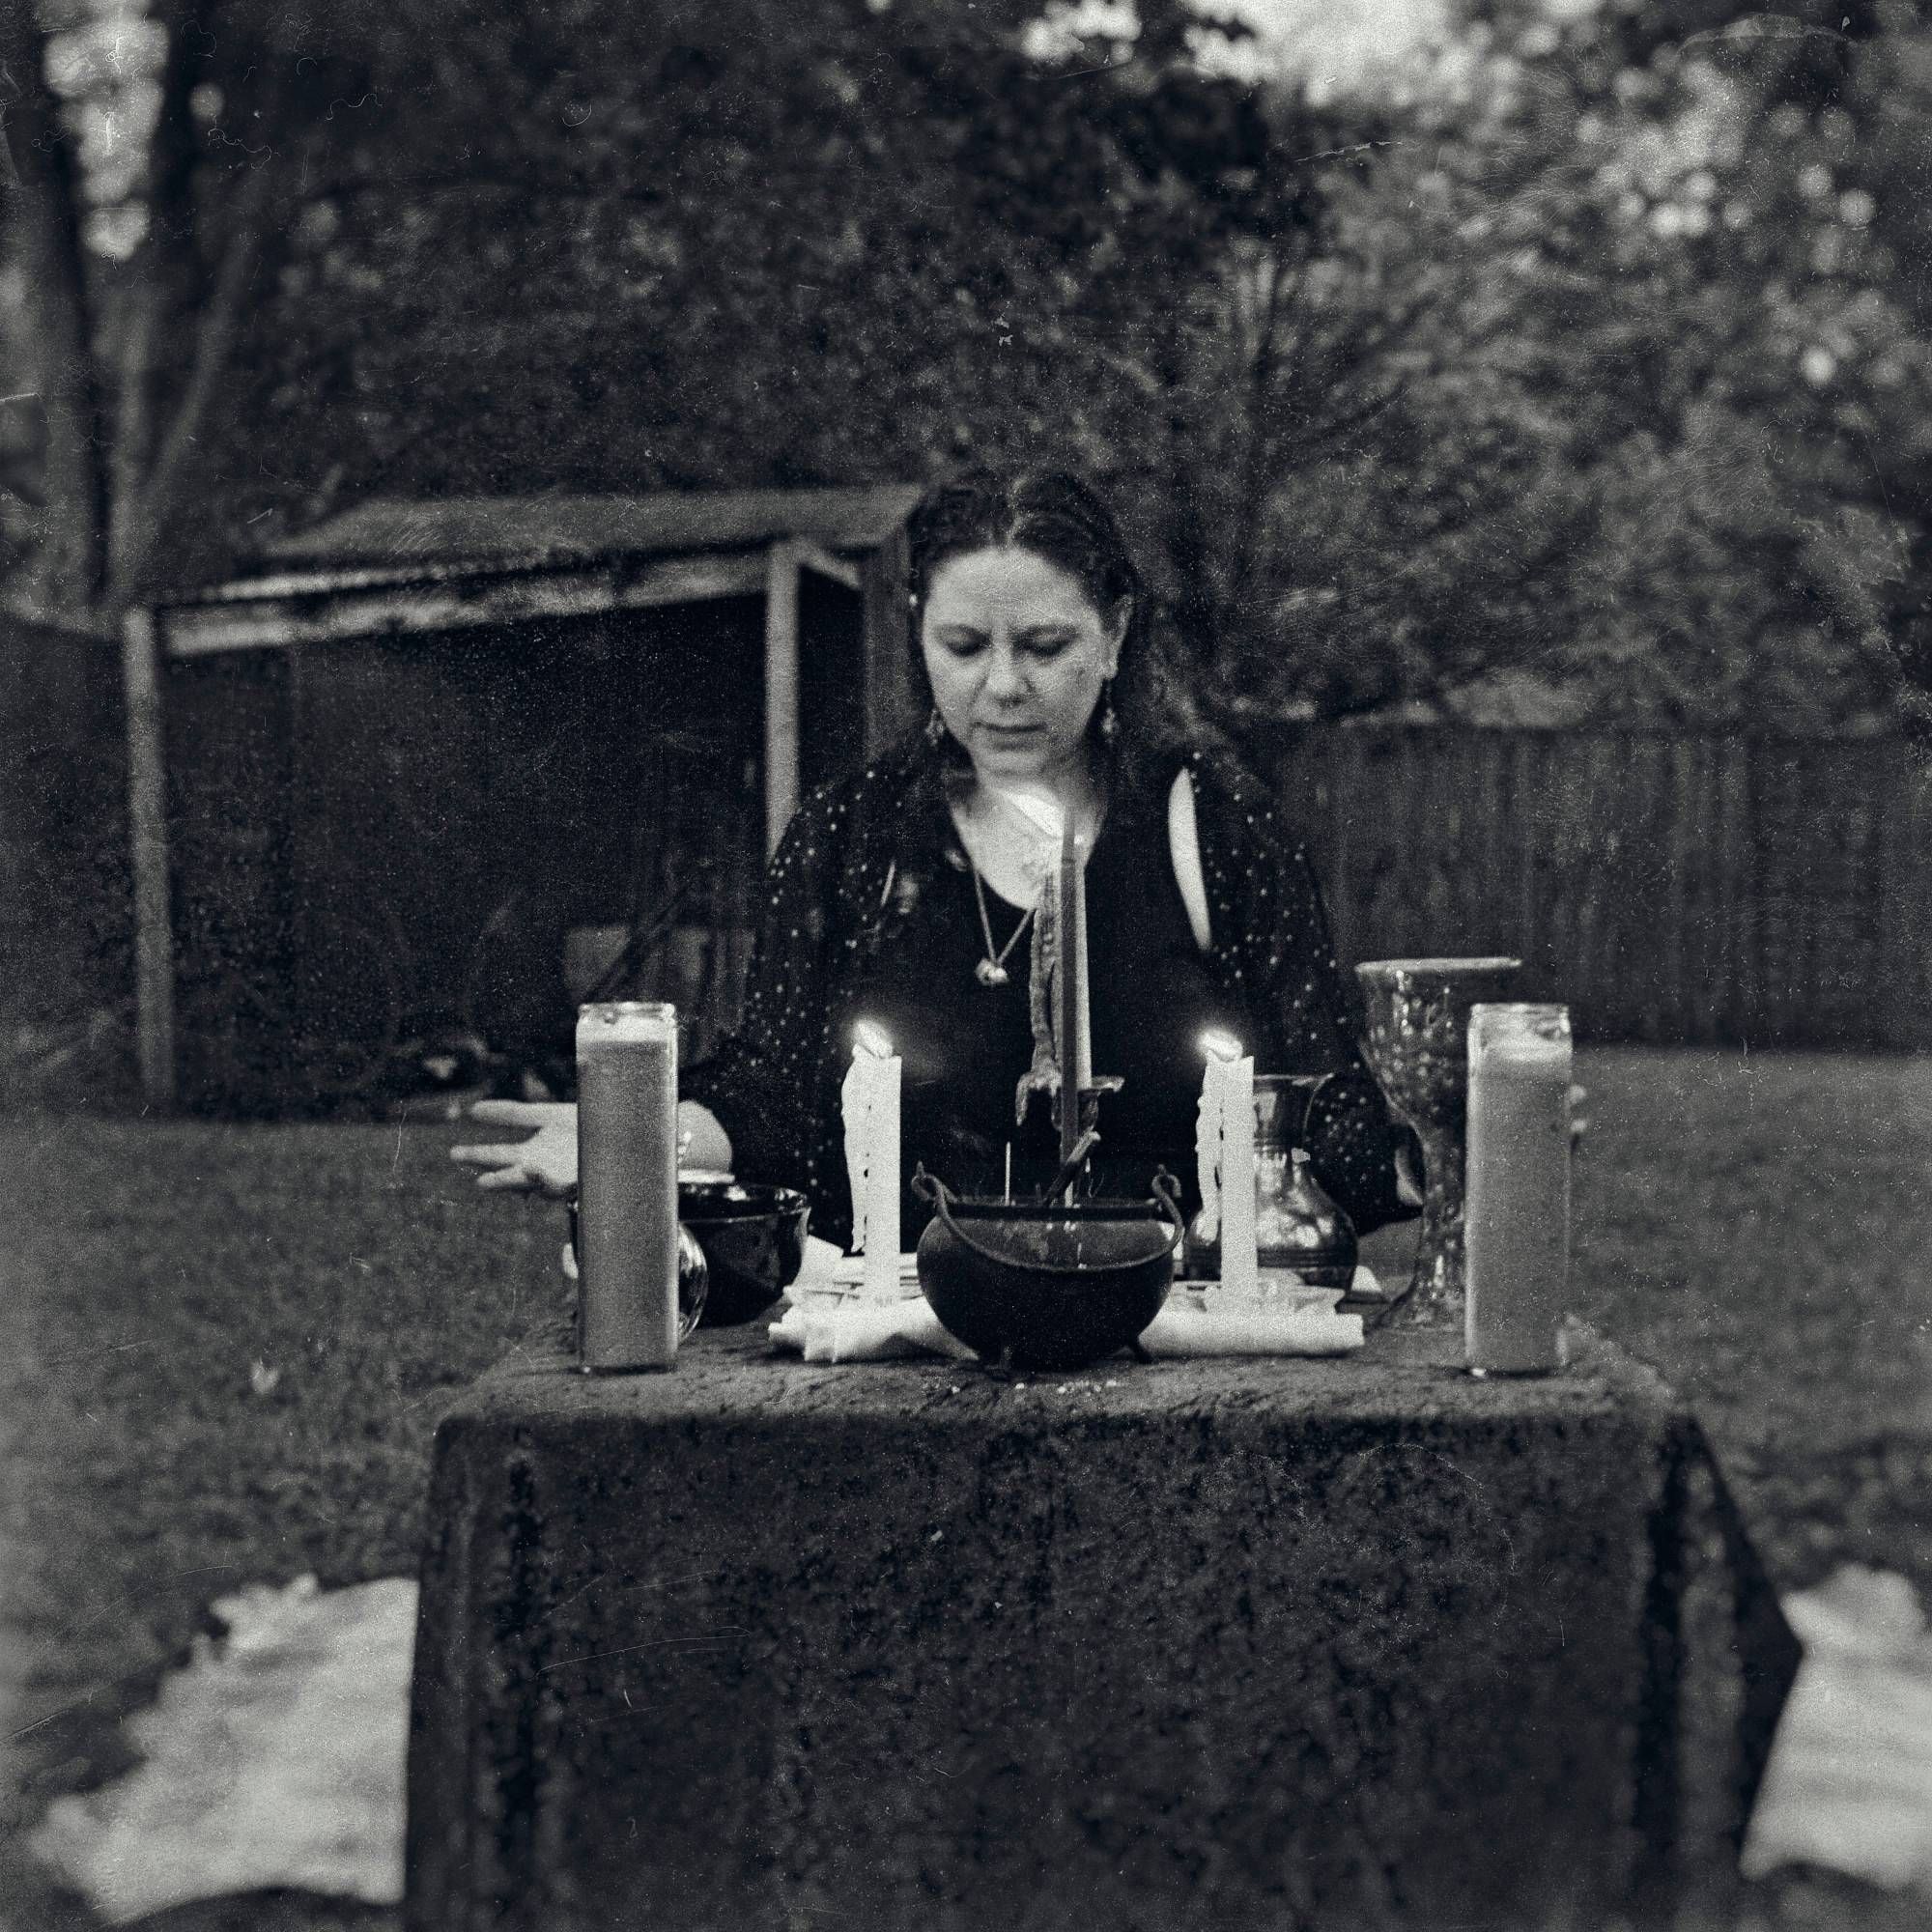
(1270, 933)
(762, 1079)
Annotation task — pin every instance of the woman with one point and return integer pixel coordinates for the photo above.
(905, 895)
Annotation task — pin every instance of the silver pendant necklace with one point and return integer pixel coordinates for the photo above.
(991, 971)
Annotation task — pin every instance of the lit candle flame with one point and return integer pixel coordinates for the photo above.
(1218, 1045)
(871, 1039)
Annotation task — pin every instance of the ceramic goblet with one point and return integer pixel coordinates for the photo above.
(1418, 1046)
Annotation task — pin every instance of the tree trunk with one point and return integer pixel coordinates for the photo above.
(40, 179)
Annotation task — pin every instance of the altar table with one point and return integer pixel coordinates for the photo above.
(1220, 1645)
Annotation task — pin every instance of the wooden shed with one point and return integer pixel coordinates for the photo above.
(421, 735)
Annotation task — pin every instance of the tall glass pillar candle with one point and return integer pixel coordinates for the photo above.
(869, 1101)
(1517, 1227)
(627, 1184)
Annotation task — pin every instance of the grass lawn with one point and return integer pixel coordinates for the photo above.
(1758, 1227)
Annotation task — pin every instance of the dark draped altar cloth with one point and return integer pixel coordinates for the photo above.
(1231, 1644)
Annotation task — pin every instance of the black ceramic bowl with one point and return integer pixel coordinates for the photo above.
(1046, 1286)
(753, 1238)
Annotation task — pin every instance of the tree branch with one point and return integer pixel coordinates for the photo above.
(146, 513)
(1257, 444)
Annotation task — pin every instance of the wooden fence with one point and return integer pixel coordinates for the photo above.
(1671, 888)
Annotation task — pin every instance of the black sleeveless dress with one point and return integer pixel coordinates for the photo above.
(966, 1045)
(869, 912)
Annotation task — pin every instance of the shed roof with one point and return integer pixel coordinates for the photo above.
(530, 531)
(391, 564)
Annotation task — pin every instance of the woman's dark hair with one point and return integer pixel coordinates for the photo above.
(1059, 518)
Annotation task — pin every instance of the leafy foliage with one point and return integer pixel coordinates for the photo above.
(1577, 370)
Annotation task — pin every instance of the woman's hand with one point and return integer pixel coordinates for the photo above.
(703, 1146)
(546, 1162)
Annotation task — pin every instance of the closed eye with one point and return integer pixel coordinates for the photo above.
(962, 643)
(1045, 644)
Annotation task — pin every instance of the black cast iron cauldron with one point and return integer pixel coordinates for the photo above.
(1043, 1286)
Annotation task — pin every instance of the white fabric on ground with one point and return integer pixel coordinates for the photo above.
(276, 1758)
(1850, 1781)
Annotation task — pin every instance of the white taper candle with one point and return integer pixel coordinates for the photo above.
(1221, 1050)
(875, 1225)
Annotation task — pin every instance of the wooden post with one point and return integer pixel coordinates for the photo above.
(1905, 891)
(815, 556)
(148, 831)
(1730, 900)
(781, 690)
(889, 708)
(1534, 815)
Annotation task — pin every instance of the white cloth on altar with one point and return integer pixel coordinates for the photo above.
(1180, 1331)
(864, 1331)
(824, 1324)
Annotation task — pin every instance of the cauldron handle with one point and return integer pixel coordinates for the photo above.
(937, 1196)
(935, 1193)
(1168, 1192)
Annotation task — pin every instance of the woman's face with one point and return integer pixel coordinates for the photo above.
(1016, 653)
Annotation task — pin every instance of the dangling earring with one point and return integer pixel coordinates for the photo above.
(1110, 719)
(935, 729)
